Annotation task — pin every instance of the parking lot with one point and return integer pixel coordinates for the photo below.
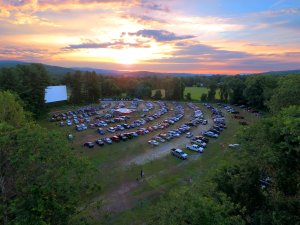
(119, 163)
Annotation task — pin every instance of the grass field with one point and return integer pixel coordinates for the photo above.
(162, 174)
(196, 92)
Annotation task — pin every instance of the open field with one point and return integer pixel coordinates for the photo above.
(122, 198)
(196, 92)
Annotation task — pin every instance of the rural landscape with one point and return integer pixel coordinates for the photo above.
(141, 125)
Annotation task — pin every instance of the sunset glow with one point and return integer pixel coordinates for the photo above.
(201, 36)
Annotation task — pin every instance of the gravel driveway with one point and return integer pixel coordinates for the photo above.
(164, 148)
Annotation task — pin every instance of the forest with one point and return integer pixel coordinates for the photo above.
(42, 179)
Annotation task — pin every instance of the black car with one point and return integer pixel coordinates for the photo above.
(89, 144)
(123, 137)
(126, 126)
(100, 142)
(215, 131)
(129, 135)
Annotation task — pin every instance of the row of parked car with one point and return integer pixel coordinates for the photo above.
(199, 143)
(80, 113)
(231, 110)
(129, 135)
(173, 133)
(136, 123)
(183, 129)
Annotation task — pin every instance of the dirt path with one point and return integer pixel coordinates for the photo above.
(164, 148)
(120, 198)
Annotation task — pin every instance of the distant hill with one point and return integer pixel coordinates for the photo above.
(284, 72)
(57, 71)
(10, 63)
(136, 73)
(54, 71)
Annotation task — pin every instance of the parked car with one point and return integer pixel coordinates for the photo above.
(189, 135)
(89, 144)
(179, 153)
(195, 148)
(100, 142)
(111, 129)
(81, 127)
(123, 137)
(198, 142)
(108, 140)
(233, 145)
(210, 134)
(101, 131)
(115, 138)
(153, 142)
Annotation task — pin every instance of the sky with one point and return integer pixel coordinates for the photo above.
(192, 36)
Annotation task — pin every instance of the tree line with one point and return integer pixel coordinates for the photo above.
(87, 87)
(258, 91)
(29, 83)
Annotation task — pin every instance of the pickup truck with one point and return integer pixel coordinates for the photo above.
(178, 153)
(195, 148)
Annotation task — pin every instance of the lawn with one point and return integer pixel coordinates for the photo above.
(161, 174)
(196, 92)
(169, 172)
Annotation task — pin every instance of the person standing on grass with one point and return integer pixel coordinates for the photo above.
(142, 173)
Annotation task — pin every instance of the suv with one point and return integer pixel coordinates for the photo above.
(115, 138)
(100, 142)
(179, 153)
(89, 144)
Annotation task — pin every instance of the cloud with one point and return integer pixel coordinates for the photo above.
(160, 35)
(150, 5)
(119, 44)
(4, 13)
(31, 6)
(280, 12)
(144, 19)
(22, 18)
(26, 53)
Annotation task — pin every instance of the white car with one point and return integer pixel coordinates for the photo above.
(233, 145)
(111, 129)
(108, 140)
(159, 139)
(153, 142)
(179, 153)
(210, 134)
(189, 135)
(195, 148)
(199, 142)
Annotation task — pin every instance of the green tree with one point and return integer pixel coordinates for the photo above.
(142, 91)
(92, 87)
(157, 94)
(188, 96)
(41, 179)
(29, 82)
(212, 92)
(237, 87)
(11, 110)
(200, 204)
(287, 93)
(203, 97)
(266, 180)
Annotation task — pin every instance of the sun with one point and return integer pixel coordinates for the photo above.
(128, 56)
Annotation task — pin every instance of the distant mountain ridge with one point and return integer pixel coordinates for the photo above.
(54, 71)
(58, 71)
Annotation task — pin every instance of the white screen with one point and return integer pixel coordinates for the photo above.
(55, 94)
